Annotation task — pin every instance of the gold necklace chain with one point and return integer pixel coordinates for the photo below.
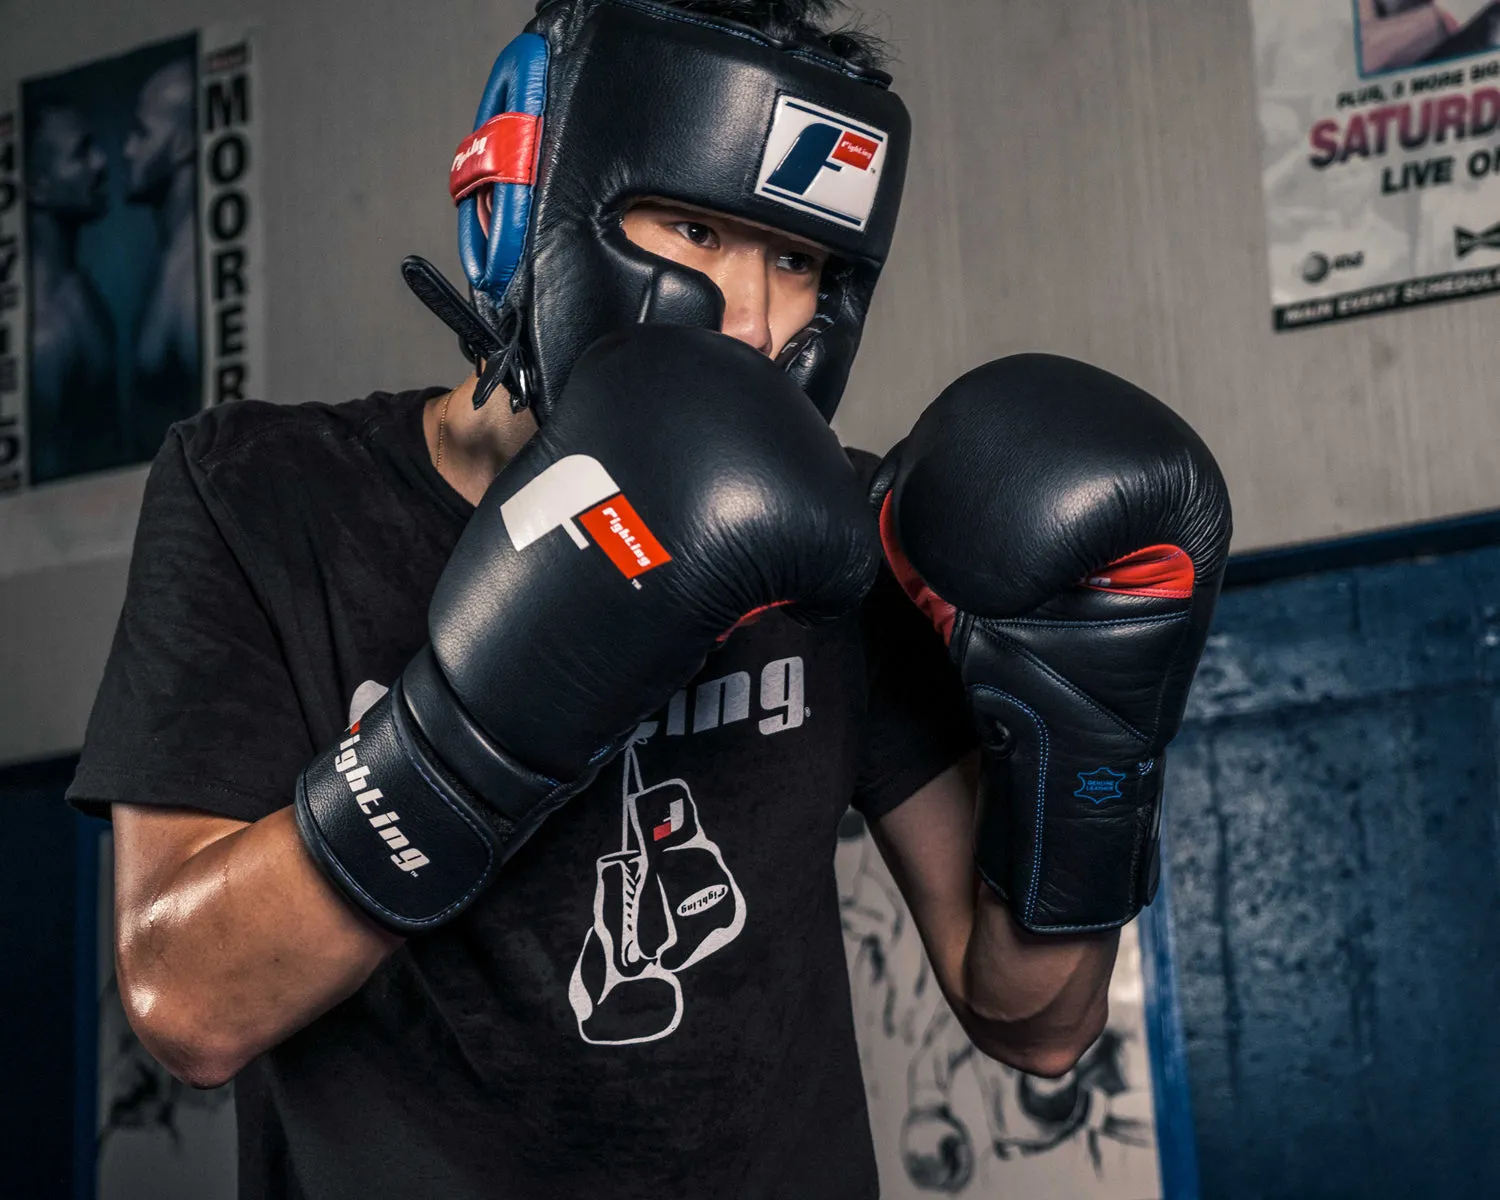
(442, 425)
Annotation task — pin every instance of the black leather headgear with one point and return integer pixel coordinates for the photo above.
(604, 102)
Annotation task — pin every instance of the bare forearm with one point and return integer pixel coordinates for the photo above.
(243, 945)
(1034, 1002)
(1042, 1000)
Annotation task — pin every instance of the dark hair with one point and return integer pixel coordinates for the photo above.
(799, 21)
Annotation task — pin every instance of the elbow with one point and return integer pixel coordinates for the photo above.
(177, 1036)
(206, 1070)
(1051, 1062)
(1048, 1054)
(191, 1053)
(204, 1074)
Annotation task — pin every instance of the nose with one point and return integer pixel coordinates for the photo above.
(743, 279)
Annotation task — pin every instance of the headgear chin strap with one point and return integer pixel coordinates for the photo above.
(604, 102)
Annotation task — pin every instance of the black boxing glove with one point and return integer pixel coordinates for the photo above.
(682, 485)
(1067, 533)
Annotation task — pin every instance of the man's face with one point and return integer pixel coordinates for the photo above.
(769, 279)
(161, 138)
(66, 168)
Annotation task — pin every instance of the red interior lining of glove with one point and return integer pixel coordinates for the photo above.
(751, 617)
(1162, 571)
(939, 611)
(502, 150)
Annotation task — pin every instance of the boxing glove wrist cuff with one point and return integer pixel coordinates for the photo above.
(1070, 846)
(415, 810)
(514, 798)
(511, 790)
(391, 829)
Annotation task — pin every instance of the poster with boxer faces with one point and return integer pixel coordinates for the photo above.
(131, 269)
(1380, 126)
(947, 1120)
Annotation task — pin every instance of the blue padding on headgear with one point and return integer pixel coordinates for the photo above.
(518, 83)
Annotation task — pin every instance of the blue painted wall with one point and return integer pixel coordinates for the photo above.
(48, 1016)
(1333, 826)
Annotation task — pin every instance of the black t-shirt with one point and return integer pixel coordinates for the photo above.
(608, 1019)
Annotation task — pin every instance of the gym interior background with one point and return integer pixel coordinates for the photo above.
(1085, 180)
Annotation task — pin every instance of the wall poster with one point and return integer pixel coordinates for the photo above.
(131, 269)
(1380, 124)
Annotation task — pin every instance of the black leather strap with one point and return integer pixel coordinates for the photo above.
(415, 810)
(392, 830)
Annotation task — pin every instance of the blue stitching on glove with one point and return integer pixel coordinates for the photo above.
(1043, 623)
(1041, 791)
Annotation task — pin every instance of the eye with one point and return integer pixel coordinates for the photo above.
(798, 263)
(700, 235)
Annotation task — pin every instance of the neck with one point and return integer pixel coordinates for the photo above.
(476, 444)
(53, 241)
(174, 210)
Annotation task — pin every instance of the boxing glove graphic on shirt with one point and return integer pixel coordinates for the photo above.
(662, 903)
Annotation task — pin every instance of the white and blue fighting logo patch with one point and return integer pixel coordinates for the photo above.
(822, 162)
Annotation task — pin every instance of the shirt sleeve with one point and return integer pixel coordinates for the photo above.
(196, 709)
(917, 720)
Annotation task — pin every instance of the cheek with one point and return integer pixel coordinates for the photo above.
(637, 229)
(678, 249)
(664, 243)
(794, 303)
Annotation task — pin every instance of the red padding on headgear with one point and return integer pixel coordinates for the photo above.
(502, 150)
(1162, 571)
(939, 611)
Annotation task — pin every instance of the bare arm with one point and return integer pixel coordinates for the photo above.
(1403, 38)
(227, 938)
(1036, 1003)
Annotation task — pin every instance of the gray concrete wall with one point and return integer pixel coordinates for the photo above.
(1085, 181)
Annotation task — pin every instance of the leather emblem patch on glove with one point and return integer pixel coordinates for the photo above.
(1101, 785)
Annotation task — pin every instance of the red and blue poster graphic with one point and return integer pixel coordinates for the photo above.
(1380, 124)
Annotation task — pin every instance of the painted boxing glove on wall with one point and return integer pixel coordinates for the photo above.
(1067, 533)
(682, 484)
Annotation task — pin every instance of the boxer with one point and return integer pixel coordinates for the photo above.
(477, 756)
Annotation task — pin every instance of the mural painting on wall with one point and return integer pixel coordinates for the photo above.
(946, 1119)
(1379, 153)
(130, 254)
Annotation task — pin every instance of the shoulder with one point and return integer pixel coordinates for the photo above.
(255, 435)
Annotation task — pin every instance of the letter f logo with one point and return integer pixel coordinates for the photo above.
(554, 498)
(822, 162)
(805, 161)
(559, 496)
